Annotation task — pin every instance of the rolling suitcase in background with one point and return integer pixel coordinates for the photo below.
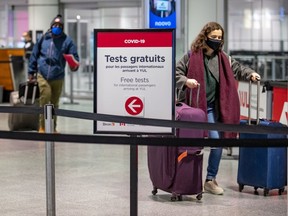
(27, 96)
(262, 167)
(178, 170)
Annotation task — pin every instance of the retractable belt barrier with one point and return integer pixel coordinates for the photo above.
(146, 140)
(133, 140)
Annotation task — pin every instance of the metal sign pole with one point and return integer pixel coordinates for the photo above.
(71, 72)
(133, 179)
(50, 162)
(71, 90)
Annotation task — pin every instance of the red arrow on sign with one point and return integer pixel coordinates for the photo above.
(134, 105)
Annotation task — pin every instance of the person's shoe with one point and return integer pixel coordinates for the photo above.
(212, 187)
(41, 130)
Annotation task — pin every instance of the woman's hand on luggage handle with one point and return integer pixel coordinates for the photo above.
(255, 77)
(192, 83)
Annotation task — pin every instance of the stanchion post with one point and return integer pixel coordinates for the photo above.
(50, 162)
(71, 90)
(133, 179)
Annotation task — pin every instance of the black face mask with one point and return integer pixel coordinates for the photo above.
(213, 43)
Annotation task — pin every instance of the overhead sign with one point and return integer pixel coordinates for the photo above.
(134, 77)
(162, 14)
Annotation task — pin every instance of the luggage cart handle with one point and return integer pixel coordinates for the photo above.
(26, 93)
(257, 102)
(190, 96)
(34, 92)
(197, 96)
(35, 83)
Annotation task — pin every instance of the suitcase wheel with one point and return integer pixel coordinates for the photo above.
(241, 186)
(154, 191)
(281, 191)
(255, 191)
(266, 191)
(199, 196)
(175, 197)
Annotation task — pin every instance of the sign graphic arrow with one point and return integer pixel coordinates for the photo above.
(134, 105)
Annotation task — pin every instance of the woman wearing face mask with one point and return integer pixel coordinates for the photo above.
(48, 62)
(206, 64)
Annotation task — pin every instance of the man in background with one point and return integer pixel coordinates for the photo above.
(48, 63)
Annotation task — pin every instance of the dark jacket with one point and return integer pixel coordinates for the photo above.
(240, 72)
(47, 56)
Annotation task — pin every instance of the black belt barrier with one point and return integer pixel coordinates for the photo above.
(147, 140)
(133, 140)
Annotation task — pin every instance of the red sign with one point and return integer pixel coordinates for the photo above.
(134, 39)
(134, 105)
(280, 97)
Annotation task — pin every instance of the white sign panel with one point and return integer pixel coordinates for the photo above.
(134, 77)
(284, 114)
(243, 91)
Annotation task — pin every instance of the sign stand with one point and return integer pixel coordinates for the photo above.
(137, 71)
(133, 179)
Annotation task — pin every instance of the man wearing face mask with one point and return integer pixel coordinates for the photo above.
(206, 64)
(48, 63)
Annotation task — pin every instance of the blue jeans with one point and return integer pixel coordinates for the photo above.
(215, 153)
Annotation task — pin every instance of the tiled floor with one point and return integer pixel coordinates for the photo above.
(93, 180)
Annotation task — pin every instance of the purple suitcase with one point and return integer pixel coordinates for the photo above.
(178, 170)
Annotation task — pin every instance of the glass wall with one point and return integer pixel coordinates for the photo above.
(13, 22)
(258, 25)
(258, 36)
(88, 20)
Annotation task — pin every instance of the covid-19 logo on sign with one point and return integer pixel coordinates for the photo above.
(162, 14)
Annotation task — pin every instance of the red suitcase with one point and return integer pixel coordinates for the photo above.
(178, 170)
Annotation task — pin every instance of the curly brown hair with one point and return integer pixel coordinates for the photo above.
(199, 42)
